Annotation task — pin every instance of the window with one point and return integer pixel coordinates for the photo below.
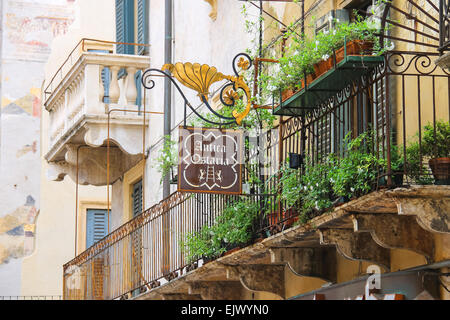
(132, 26)
(136, 199)
(96, 226)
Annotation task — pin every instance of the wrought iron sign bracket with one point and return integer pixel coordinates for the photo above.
(199, 78)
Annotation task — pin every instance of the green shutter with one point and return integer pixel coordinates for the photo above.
(129, 26)
(120, 26)
(137, 80)
(142, 25)
(124, 29)
(96, 226)
(106, 78)
(137, 198)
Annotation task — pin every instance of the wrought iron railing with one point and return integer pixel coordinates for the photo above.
(146, 251)
(82, 46)
(396, 101)
(444, 25)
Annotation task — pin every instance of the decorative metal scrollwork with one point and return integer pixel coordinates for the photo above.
(200, 78)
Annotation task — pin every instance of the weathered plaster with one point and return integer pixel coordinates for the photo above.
(17, 231)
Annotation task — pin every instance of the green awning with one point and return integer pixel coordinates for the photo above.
(328, 84)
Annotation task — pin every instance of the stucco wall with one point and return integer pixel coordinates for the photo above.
(28, 28)
(55, 237)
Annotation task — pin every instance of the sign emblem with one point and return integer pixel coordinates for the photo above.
(210, 160)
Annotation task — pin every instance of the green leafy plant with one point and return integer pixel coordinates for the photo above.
(167, 157)
(397, 158)
(304, 53)
(232, 228)
(305, 191)
(316, 186)
(434, 144)
(415, 166)
(356, 173)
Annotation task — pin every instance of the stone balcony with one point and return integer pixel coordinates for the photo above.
(90, 103)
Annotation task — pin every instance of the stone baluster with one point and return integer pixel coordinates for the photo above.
(81, 94)
(114, 89)
(67, 108)
(131, 91)
(78, 94)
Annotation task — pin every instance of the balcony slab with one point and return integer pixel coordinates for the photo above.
(267, 251)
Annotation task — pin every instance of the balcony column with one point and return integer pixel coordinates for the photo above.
(91, 88)
(131, 91)
(114, 89)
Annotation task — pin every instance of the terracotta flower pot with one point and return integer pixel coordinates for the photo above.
(310, 78)
(355, 47)
(440, 167)
(287, 93)
(323, 66)
(287, 217)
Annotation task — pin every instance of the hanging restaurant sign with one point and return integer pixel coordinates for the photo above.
(210, 160)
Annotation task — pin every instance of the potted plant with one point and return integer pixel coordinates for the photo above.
(356, 173)
(436, 146)
(397, 165)
(416, 169)
(232, 229)
(316, 187)
(314, 57)
(286, 185)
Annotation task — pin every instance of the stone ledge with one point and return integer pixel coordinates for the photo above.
(306, 236)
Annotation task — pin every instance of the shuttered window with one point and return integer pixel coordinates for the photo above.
(136, 198)
(128, 30)
(96, 226)
(125, 26)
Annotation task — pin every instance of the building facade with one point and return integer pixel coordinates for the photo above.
(108, 112)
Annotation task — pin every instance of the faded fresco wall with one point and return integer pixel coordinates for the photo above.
(28, 28)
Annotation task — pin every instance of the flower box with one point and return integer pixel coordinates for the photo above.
(354, 48)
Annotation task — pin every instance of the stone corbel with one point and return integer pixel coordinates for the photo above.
(308, 262)
(396, 232)
(260, 277)
(432, 213)
(216, 290)
(125, 132)
(91, 164)
(356, 246)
